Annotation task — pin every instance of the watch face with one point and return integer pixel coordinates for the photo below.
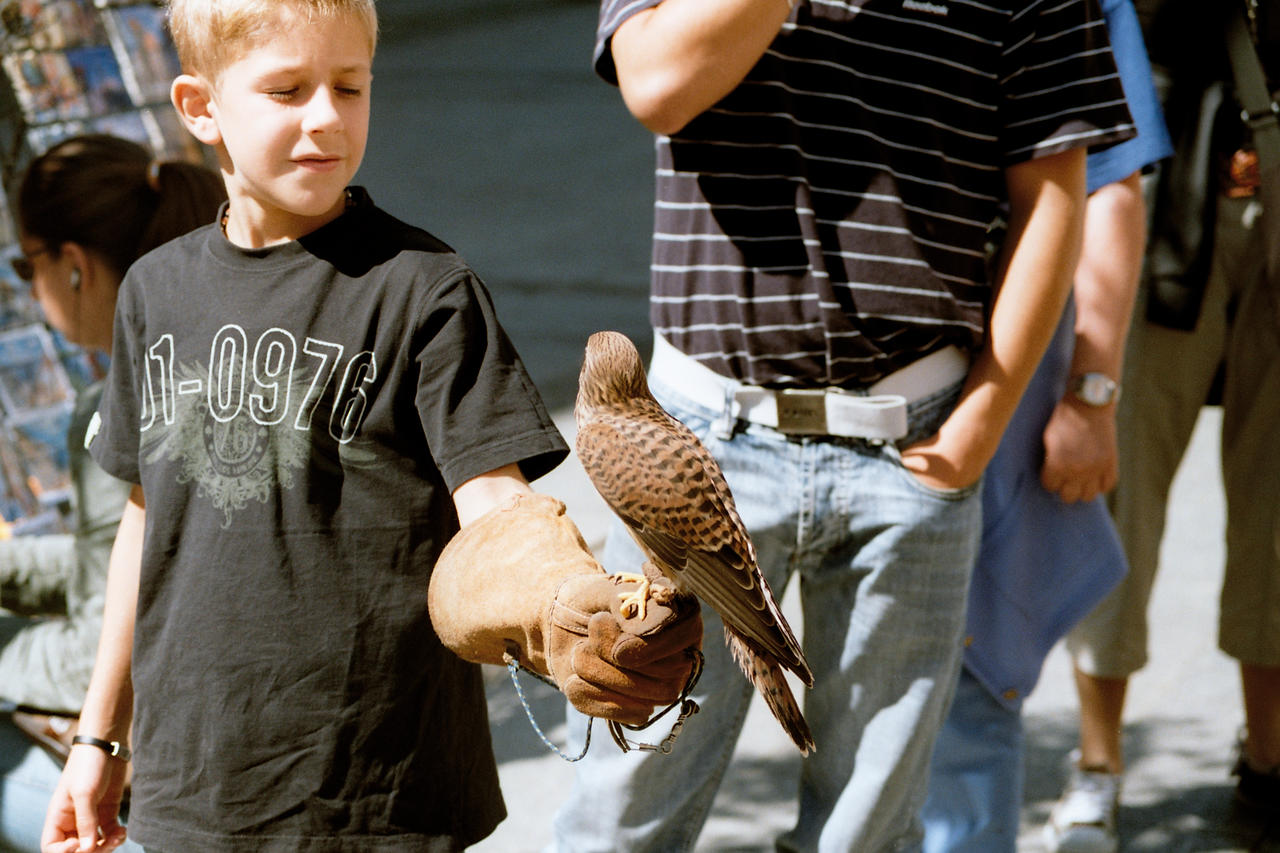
(1096, 389)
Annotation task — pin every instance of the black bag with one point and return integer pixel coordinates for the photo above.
(1259, 113)
(1180, 248)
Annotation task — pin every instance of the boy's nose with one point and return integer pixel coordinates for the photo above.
(322, 114)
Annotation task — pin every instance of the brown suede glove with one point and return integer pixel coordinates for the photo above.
(521, 580)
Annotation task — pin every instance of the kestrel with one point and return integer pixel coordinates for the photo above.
(656, 475)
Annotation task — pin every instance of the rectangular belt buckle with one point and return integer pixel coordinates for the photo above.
(801, 411)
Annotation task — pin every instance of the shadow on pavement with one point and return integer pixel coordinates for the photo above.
(1160, 812)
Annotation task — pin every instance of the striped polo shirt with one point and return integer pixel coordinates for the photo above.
(832, 219)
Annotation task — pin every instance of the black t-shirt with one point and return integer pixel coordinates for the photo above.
(298, 417)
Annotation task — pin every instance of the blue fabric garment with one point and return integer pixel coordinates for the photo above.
(1044, 564)
(884, 564)
(1152, 142)
(979, 756)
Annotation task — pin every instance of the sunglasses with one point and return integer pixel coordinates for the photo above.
(22, 264)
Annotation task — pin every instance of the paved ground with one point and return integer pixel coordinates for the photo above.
(491, 130)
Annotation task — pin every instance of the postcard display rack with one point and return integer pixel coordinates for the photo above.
(69, 67)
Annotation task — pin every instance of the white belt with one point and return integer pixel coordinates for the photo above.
(877, 412)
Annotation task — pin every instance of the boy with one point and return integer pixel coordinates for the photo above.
(293, 440)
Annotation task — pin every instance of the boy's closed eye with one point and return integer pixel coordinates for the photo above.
(292, 92)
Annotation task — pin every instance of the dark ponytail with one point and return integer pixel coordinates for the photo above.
(106, 194)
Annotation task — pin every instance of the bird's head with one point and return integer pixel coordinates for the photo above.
(612, 372)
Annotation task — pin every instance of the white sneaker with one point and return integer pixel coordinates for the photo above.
(1084, 818)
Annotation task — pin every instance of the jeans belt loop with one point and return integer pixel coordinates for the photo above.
(722, 426)
(880, 414)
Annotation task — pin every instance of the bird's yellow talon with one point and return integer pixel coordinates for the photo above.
(634, 603)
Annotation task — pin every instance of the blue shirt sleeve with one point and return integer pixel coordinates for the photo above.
(1152, 143)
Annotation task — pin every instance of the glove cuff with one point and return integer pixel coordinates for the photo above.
(496, 582)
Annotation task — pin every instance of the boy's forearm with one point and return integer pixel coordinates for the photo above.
(480, 494)
(108, 707)
(676, 60)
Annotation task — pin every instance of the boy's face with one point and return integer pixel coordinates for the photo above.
(293, 117)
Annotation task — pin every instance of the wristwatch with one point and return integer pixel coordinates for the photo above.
(1095, 389)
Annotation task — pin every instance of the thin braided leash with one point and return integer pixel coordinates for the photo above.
(688, 708)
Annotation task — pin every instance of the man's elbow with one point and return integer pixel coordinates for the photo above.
(658, 103)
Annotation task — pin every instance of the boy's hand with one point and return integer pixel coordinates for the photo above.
(618, 667)
(84, 812)
(520, 580)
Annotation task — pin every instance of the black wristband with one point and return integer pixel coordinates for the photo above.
(113, 748)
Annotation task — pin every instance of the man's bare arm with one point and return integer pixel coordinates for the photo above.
(682, 56)
(1081, 455)
(1046, 203)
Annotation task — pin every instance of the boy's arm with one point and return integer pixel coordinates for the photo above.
(518, 580)
(1046, 211)
(1080, 440)
(480, 494)
(678, 58)
(87, 799)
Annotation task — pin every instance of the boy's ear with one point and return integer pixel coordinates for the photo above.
(192, 96)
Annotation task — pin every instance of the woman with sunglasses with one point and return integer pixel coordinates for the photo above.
(86, 209)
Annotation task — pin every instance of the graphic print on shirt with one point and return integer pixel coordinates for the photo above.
(242, 426)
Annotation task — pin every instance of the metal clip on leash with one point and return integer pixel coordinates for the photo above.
(688, 709)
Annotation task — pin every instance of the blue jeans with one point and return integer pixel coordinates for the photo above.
(884, 566)
(976, 780)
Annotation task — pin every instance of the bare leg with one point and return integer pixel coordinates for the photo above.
(1261, 686)
(1101, 709)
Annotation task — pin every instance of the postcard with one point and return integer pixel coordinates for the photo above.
(40, 440)
(173, 140)
(141, 35)
(99, 79)
(31, 375)
(45, 136)
(17, 306)
(37, 95)
(129, 125)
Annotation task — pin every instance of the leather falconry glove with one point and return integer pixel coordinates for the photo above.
(521, 580)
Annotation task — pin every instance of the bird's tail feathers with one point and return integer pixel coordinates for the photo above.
(770, 680)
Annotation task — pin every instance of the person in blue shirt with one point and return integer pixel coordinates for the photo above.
(1049, 549)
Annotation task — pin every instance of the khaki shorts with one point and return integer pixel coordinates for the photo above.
(1168, 375)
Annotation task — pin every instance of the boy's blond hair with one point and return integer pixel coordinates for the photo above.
(211, 34)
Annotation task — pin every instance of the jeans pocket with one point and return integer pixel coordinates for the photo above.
(894, 455)
(926, 417)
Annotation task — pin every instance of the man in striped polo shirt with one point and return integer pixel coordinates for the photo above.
(844, 319)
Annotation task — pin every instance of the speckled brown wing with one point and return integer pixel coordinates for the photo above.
(664, 484)
(667, 488)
